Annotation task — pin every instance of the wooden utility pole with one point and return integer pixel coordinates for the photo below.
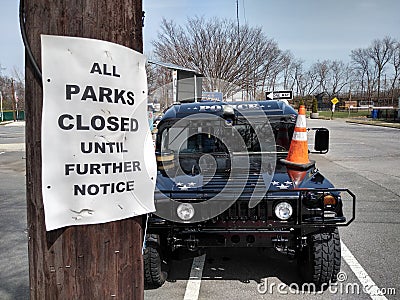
(101, 261)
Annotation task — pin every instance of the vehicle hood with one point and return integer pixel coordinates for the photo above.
(282, 179)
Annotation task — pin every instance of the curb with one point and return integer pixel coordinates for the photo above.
(375, 123)
(13, 124)
(6, 122)
(364, 122)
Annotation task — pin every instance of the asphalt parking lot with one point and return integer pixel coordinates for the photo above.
(13, 237)
(363, 158)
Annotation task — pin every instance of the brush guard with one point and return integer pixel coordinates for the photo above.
(319, 221)
(303, 216)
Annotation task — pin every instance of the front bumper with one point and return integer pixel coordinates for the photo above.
(241, 226)
(241, 215)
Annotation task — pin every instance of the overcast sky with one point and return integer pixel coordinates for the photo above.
(312, 29)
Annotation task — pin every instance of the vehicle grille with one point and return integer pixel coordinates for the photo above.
(240, 211)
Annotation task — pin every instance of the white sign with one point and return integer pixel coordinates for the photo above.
(279, 95)
(98, 162)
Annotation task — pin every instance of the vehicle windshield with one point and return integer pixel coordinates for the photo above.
(214, 137)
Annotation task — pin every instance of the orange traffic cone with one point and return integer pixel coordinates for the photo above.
(298, 152)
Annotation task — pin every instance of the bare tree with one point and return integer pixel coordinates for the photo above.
(395, 61)
(338, 77)
(321, 70)
(364, 71)
(244, 59)
(19, 88)
(159, 82)
(329, 77)
(288, 66)
(307, 83)
(230, 59)
(380, 52)
(1, 70)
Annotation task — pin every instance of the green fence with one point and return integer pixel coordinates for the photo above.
(7, 115)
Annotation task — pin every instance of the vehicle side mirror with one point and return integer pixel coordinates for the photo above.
(321, 140)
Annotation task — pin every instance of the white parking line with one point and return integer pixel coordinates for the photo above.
(2, 152)
(17, 123)
(12, 147)
(194, 282)
(369, 286)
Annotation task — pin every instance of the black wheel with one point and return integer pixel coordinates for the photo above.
(155, 272)
(337, 255)
(319, 261)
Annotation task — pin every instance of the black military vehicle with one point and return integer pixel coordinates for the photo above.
(222, 182)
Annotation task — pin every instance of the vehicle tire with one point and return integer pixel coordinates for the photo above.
(319, 261)
(155, 272)
(337, 255)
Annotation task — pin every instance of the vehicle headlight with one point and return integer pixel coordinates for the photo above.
(283, 210)
(185, 211)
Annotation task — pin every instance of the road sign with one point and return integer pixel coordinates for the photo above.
(334, 101)
(279, 95)
(98, 157)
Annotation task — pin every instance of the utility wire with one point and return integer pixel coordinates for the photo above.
(37, 73)
(237, 18)
(244, 12)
